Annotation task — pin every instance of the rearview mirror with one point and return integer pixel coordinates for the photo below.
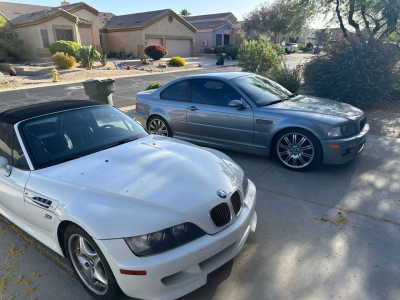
(4, 166)
(236, 103)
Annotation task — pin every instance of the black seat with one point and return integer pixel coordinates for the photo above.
(38, 149)
(75, 130)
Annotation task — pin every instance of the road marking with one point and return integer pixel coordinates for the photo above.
(331, 206)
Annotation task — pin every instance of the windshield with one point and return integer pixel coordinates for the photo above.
(59, 137)
(261, 90)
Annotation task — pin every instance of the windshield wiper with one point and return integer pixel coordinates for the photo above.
(281, 100)
(120, 143)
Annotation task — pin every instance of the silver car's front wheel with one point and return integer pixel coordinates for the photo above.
(88, 264)
(159, 126)
(297, 150)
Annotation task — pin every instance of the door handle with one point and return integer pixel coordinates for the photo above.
(193, 108)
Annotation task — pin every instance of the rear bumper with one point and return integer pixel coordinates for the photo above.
(341, 151)
(178, 272)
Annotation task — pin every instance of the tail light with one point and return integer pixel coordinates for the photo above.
(136, 105)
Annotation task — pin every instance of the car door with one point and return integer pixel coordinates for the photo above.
(174, 101)
(12, 186)
(211, 118)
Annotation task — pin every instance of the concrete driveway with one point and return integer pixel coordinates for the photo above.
(328, 234)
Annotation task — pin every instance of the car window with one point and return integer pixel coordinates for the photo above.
(177, 91)
(261, 90)
(75, 133)
(6, 136)
(213, 92)
(18, 157)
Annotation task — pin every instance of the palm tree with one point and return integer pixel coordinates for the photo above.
(185, 12)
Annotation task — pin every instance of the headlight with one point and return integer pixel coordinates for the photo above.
(343, 131)
(164, 240)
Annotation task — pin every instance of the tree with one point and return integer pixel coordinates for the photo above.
(13, 48)
(322, 36)
(281, 18)
(185, 12)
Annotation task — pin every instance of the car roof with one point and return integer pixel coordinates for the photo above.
(222, 75)
(16, 115)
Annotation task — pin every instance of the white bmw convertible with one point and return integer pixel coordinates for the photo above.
(144, 215)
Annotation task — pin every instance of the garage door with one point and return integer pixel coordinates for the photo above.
(154, 41)
(182, 48)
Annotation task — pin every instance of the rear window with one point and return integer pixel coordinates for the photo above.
(177, 91)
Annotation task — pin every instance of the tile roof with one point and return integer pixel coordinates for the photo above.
(43, 13)
(207, 17)
(133, 20)
(211, 25)
(14, 10)
(103, 18)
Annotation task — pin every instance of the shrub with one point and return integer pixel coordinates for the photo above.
(12, 72)
(103, 60)
(278, 48)
(286, 77)
(354, 71)
(129, 68)
(122, 54)
(220, 49)
(209, 50)
(88, 56)
(113, 55)
(310, 45)
(156, 52)
(177, 61)
(13, 48)
(68, 47)
(232, 51)
(63, 60)
(258, 56)
(154, 85)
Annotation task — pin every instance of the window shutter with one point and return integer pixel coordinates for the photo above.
(45, 38)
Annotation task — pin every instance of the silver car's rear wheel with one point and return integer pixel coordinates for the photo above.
(159, 126)
(88, 264)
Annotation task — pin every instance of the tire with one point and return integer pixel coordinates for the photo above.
(158, 126)
(90, 262)
(303, 155)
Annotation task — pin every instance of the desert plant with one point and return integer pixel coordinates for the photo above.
(12, 72)
(144, 60)
(155, 51)
(258, 56)
(113, 55)
(103, 60)
(154, 85)
(286, 77)
(232, 51)
(63, 60)
(128, 67)
(209, 50)
(177, 61)
(88, 56)
(355, 70)
(122, 54)
(164, 66)
(68, 47)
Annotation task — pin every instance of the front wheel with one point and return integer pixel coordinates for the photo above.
(297, 149)
(90, 265)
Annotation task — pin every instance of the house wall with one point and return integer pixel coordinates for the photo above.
(87, 15)
(129, 40)
(220, 31)
(200, 37)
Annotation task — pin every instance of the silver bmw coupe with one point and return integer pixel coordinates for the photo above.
(249, 113)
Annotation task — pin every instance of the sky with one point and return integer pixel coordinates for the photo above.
(197, 7)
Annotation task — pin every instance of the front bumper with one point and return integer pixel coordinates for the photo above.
(178, 272)
(341, 151)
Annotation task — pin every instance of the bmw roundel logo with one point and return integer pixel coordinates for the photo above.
(221, 194)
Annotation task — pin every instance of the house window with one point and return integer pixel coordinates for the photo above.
(9, 35)
(64, 35)
(45, 38)
(16, 34)
(226, 39)
(218, 39)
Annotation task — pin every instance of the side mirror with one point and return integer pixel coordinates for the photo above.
(4, 166)
(236, 103)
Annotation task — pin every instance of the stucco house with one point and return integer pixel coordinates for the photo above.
(40, 26)
(134, 32)
(213, 30)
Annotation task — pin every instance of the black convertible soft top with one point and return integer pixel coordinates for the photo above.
(16, 115)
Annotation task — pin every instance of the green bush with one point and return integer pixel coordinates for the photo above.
(258, 56)
(88, 55)
(209, 50)
(286, 77)
(13, 48)
(220, 49)
(156, 52)
(103, 60)
(68, 47)
(354, 71)
(232, 51)
(154, 85)
(279, 48)
(113, 55)
(310, 45)
(63, 60)
(177, 61)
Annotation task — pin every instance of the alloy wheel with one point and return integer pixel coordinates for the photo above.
(87, 264)
(295, 150)
(158, 127)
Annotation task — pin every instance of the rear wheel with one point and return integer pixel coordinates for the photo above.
(297, 149)
(159, 126)
(90, 265)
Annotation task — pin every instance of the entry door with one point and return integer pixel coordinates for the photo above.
(211, 118)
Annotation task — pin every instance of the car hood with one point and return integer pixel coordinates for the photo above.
(320, 106)
(140, 187)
